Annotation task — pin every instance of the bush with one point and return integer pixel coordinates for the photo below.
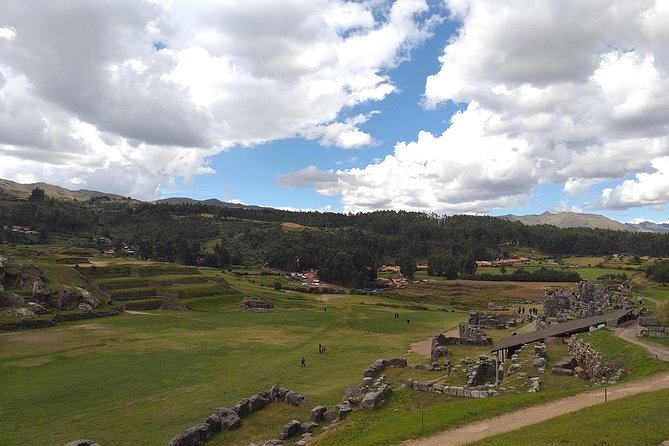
(662, 312)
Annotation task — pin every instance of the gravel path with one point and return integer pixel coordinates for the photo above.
(525, 417)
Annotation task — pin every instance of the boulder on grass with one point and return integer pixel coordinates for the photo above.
(289, 429)
(229, 419)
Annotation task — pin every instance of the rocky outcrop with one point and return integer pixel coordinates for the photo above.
(10, 299)
(20, 313)
(71, 298)
(30, 278)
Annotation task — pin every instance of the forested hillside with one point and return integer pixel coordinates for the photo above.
(346, 248)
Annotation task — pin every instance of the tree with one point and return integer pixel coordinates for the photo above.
(407, 264)
(222, 254)
(659, 271)
(37, 194)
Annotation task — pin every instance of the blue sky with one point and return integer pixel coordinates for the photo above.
(460, 106)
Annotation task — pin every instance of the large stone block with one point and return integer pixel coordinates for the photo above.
(257, 402)
(294, 398)
(289, 429)
(243, 408)
(317, 413)
(190, 437)
(229, 419)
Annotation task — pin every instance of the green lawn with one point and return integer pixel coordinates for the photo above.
(637, 420)
(143, 378)
(109, 379)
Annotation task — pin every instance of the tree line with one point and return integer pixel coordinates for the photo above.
(346, 248)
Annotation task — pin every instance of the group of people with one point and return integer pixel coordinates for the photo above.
(321, 351)
(397, 316)
(533, 311)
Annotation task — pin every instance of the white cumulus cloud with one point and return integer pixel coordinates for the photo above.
(571, 93)
(161, 86)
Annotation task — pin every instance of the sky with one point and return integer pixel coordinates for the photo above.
(446, 107)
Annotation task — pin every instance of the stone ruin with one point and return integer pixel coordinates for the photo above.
(483, 371)
(481, 380)
(469, 335)
(491, 320)
(36, 298)
(374, 388)
(473, 335)
(225, 419)
(590, 363)
(650, 326)
(257, 304)
(586, 301)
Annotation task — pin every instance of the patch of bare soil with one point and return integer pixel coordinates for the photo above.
(92, 263)
(534, 290)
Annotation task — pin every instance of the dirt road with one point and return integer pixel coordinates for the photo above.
(525, 417)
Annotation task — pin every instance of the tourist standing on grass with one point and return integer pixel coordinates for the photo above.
(302, 362)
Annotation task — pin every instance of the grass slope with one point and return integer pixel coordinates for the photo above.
(638, 420)
(111, 378)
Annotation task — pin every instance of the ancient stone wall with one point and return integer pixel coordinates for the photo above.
(599, 369)
(649, 326)
(226, 419)
(588, 300)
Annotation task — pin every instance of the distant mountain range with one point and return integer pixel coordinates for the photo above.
(577, 220)
(12, 190)
(209, 202)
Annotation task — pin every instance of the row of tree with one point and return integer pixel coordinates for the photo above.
(346, 248)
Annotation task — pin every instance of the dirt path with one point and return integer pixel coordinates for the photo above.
(525, 417)
(628, 332)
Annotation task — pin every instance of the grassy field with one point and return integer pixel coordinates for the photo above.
(143, 378)
(637, 420)
(110, 378)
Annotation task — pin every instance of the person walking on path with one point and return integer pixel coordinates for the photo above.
(302, 362)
